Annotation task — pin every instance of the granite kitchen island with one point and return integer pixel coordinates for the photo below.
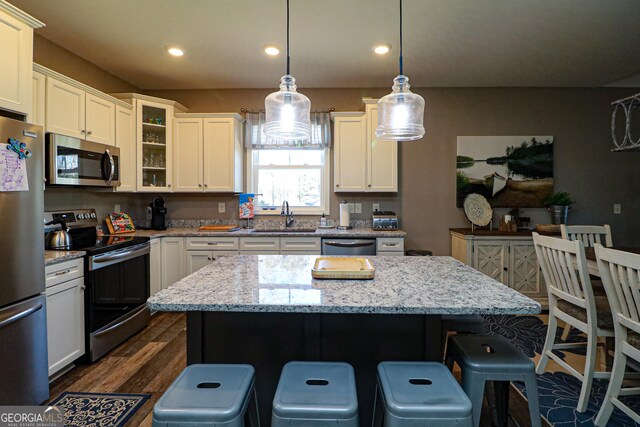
(266, 310)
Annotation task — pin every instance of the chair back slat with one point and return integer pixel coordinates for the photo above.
(620, 273)
(563, 265)
(589, 235)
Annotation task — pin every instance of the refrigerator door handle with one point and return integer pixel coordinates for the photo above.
(14, 317)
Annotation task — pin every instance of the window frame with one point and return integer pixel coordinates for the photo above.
(325, 202)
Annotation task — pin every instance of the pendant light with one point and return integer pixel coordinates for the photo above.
(401, 113)
(287, 112)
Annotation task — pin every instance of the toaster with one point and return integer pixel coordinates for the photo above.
(385, 220)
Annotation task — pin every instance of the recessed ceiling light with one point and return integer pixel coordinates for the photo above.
(381, 49)
(271, 50)
(175, 51)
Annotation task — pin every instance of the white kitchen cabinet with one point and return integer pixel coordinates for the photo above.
(39, 87)
(173, 260)
(155, 146)
(308, 245)
(390, 246)
(208, 153)
(349, 152)
(72, 111)
(16, 57)
(155, 267)
(362, 162)
(266, 245)
(382, 155)
(197, 259)
(65, 313)
(510, 259)
(213, 243)
(126, 142)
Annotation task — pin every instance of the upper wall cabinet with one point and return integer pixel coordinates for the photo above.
(126, 142)
(362, 162)
(16, 57)
(38, 97)
(73, 112)
(208, 153)
(154, 141)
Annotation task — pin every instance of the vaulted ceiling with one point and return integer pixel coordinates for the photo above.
(460, 43)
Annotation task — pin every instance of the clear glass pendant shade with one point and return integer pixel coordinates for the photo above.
(401, 113)
(287, 112)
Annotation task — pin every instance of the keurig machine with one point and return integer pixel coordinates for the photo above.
(158, 212)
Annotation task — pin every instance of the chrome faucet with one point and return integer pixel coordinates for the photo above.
(288, 215)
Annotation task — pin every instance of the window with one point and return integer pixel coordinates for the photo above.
(300, 177)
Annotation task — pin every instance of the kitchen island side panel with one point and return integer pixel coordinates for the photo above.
(269, 340)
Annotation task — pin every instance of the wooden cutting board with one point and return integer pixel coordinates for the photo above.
(219, 228)
(343, 268)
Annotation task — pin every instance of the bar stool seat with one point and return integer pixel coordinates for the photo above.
(315, 394)
(208, 395)
(419, 394)
(485, 358)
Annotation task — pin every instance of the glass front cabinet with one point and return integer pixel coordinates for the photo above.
(155, 145)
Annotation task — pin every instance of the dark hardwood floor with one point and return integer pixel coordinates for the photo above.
(153, 358)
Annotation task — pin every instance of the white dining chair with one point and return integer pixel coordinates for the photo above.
(620, 273)
(589, 235)
(571, 300)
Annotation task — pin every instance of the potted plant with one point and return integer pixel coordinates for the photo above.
(558, 204)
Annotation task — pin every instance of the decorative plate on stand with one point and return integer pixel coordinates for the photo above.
(478, 209)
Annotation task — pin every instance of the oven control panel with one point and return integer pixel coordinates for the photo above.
(78, 218)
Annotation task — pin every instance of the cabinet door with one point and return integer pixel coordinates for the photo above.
(100, 116)
(155, 267)
(219, 155)
(65, 323)
(198, 259)
(39, 86)
(382, 157)
(126, 141)
(524, 273)
(350, 154)
(16, 57)
(64, 112)
(187, 154)
(173, 255)
(154, 122)
(491, 259)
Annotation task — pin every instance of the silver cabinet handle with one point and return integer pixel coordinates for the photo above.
(60, 273)
(83, 131)
(83, 287)
(89, 132)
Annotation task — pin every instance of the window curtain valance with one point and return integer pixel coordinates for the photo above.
(255, 138)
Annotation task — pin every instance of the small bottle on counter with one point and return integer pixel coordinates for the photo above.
(323, 221)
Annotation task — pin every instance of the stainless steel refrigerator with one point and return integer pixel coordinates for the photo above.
(23, 321)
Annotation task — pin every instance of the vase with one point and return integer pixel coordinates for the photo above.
(559, 213)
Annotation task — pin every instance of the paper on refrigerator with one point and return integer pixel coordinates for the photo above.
(13, 171)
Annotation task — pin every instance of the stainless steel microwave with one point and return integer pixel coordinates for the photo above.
(73, 161)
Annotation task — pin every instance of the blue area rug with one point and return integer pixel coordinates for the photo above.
(98, 409)
(558, 392)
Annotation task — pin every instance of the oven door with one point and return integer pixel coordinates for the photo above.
(117, 284)
(72, 161)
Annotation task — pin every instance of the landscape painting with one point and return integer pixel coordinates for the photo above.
(509, 171)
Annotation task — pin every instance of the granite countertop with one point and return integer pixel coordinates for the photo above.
(283, 283)
(55, 257)
(243, 232)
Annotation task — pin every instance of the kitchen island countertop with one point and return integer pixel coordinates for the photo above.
(283, 284)
(55, 257)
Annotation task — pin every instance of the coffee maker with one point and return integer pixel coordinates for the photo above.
(158, 212)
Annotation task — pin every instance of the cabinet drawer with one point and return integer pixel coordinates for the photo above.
(300, 244)
(390, 244)
(212, 243)
(59, 273)
(260, 243)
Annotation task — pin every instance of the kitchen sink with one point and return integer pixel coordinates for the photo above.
(285, 230)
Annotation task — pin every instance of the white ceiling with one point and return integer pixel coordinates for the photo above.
(461, 43)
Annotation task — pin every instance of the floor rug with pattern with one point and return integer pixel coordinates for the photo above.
(98, 409)
(558, 392)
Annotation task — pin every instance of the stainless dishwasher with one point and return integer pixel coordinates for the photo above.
(348, 246)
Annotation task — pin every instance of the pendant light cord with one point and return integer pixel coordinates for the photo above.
(400, 37)
(288, 57)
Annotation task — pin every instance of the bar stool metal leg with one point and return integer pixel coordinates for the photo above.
(474, 388)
